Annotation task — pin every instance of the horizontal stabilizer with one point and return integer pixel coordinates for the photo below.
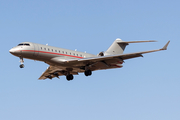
(126, 42)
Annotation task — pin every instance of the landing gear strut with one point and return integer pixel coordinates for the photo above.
(22, 62)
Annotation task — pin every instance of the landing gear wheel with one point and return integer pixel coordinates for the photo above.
(88, 72)
(69, 77)
(22, 62)
(21, 66)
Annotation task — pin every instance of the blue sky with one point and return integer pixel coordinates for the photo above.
(144, 89)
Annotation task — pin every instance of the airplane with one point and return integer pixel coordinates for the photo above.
(69, 62)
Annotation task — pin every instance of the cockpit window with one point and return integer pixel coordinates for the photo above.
(27, 44)
(20, 45)
(23, 44)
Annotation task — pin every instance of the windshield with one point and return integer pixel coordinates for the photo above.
(23, 44)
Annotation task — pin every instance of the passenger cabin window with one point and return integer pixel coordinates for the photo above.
(55, 50)
(44, 48)
(48, 49)
(66, 52)
(52, 50)
(59, 51)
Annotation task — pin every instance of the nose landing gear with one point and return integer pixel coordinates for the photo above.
(22, 62)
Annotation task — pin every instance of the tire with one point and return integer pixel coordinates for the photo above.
(21, 66)
(69, 77)
(88, 72)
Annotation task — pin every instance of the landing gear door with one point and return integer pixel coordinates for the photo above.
(36, 50)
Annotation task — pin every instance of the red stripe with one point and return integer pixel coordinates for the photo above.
(52, 53)
(120, 62)
(117, 66)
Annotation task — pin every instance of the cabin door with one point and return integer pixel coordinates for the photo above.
(36, 50)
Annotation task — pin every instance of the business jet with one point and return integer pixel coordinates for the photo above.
(69, 62)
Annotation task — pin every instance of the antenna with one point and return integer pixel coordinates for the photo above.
(47, 44)
(75, 49)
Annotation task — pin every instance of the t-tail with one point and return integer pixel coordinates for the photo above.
(118, 46)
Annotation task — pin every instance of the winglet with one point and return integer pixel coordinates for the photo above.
(165, 47)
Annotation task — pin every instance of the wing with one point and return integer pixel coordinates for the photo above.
(75, 66)
(55, 71)
(119, 56)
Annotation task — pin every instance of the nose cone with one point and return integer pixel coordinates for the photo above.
(14, 51)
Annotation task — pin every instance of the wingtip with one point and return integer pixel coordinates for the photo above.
(165, 47)
(152, 40)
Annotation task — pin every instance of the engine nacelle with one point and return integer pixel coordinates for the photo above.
(101, 54)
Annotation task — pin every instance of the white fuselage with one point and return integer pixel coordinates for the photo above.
(45, 53)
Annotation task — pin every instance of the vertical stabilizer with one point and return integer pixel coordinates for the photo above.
(117, 47)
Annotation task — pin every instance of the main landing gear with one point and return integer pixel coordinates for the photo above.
(69, 77)
(22, 62)
(88, 72)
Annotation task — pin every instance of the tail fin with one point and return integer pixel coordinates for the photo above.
(118, 46)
